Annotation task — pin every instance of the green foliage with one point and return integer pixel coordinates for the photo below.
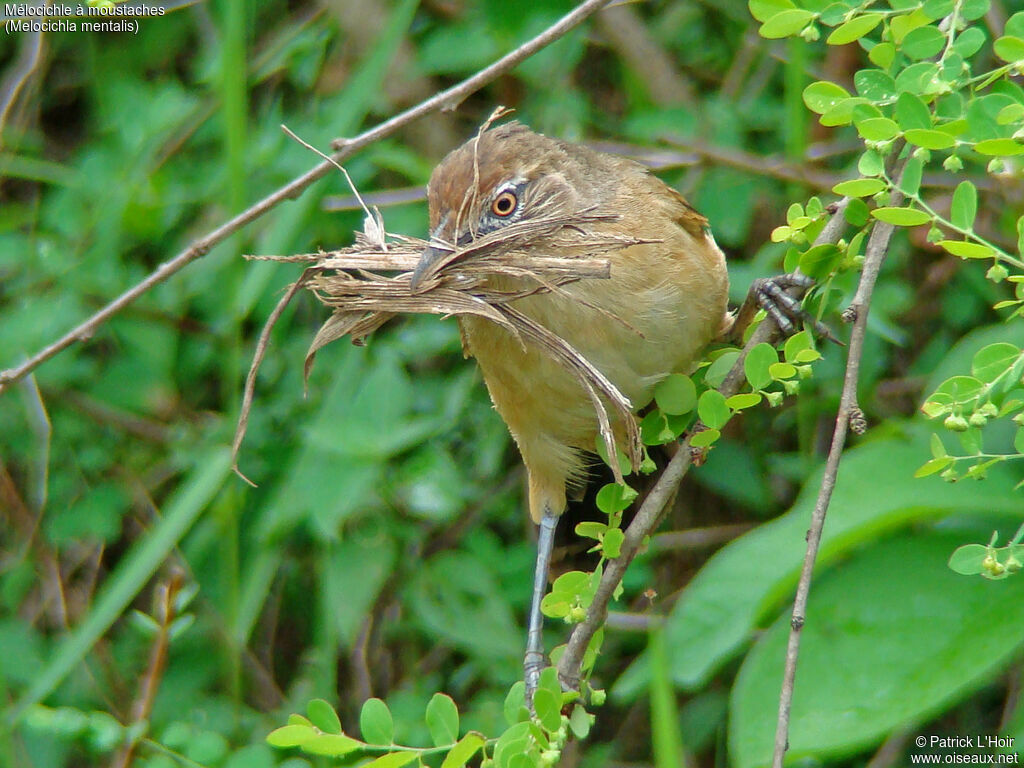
(383, 554)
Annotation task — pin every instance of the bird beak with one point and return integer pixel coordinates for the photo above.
(430, 256)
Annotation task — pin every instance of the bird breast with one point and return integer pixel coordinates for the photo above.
(663, 303)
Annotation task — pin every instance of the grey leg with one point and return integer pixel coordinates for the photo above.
(535, 658)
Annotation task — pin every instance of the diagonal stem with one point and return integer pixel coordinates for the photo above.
(874, 255)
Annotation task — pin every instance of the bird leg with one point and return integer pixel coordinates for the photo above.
(535, 658)
(780, 298)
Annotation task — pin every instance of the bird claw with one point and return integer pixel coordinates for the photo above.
(533, 665)
(772, 295)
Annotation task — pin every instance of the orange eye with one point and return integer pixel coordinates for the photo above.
(504, 204)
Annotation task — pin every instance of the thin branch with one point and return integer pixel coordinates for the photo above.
(849, 411)
(655, 506)
(446, 100)
(150, 682)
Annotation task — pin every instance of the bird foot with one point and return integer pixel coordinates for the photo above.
(533, 665)
(777, 297)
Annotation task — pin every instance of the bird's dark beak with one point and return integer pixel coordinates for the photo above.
(430, 256)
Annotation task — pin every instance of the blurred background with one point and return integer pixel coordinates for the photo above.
(385, 551)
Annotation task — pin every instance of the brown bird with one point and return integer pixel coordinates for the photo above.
(664, 302)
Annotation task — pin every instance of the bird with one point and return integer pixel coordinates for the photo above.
(665, 300)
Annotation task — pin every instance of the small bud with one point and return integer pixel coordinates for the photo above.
(953, 164)
(791, 386)
(997, 273)
(977, 419)
(1012, 564)
(810, 33)
(935, 234)
(989, 410)
(955, 423)
(922, 154)
(995, 165)
(576, 614)
(1019, 419)
(804, 371)
(774, 398)
(991, 565)
(949, 475)
(598, 696)
(550, 757)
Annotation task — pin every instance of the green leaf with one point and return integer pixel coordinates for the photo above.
(1010, 114)
(993, 360)
(719, 369)
(796, 344)
(376, 723)
(762, 10)
(859, 187)
(964, 206)
(514, 708)
(912, 112)
(1010, 49)
(323, 716)
(290, 736)
(841, 113)
(969, 42)
(910, 181)
(901, 217)
(937, 9)
(999, 147)
(611, 544)
(875, 85)
(590, 530)
(744, 400)
(548, 708)
(877, 128)
(442, 720)
(614, 497)
(896, 673)
(704, 438)
(929, 138)
(967, 250)
(967, 560)
(331, 745)
(819, 261)
(676, 394)
(857, 213)
(755, 366)
(460, 754)
(393, 760)
(918, 78)
(712, 409)
(923, 42)
(871, 163)
(823, 95)
(1015, 25)
(932, 466)
(785, 23)
(854, 29)
(882, 55)
(780, 371)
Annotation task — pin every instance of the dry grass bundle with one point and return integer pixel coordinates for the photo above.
(369, 282)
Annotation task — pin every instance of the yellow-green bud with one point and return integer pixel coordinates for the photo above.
(955, 423)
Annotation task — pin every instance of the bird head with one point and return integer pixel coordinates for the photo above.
(504, 175)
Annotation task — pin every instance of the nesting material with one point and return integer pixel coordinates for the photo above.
(368, 283)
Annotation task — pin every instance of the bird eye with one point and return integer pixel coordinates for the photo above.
(504, 204)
